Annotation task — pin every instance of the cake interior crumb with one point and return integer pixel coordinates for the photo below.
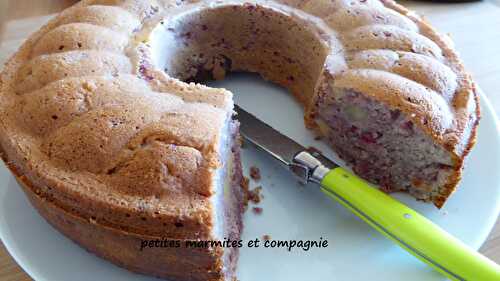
(245, 186)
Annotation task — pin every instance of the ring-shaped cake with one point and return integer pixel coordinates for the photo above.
(114, 144)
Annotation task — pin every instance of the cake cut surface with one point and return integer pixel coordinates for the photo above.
(114, 146)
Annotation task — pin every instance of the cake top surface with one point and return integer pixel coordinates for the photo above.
(91, 119)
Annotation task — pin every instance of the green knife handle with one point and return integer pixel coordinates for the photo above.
(406, 227)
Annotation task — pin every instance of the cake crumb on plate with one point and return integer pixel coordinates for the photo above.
(254, 195)
(257, 210)
(255, 173)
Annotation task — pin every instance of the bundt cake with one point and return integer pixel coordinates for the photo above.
(114, 144)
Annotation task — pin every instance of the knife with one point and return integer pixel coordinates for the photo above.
(410, 230)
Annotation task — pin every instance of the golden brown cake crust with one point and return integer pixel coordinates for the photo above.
(124, 248)
(84, 166)
(105, 142)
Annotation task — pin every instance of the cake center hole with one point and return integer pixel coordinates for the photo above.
(204, 45)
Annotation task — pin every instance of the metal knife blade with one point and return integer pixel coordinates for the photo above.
(268, 139)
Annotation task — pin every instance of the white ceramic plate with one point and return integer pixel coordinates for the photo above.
(291, 211)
